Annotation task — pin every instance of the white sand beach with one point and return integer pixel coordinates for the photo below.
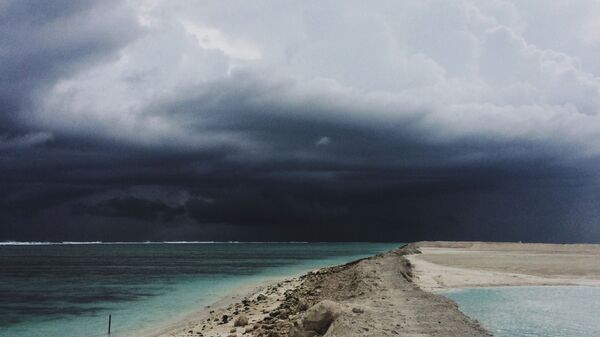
(445, 265)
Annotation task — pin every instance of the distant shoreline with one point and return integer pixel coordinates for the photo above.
(42, 243)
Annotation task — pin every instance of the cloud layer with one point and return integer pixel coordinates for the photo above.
(162, 119)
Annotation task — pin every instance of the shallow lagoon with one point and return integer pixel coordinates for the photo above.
(69, 290)
(533, 311)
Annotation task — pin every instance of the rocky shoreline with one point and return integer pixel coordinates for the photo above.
(374, 296)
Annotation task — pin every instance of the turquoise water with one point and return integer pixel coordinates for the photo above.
(533, 311)
(69, 290)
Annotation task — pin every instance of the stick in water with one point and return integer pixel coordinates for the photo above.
(109, 319)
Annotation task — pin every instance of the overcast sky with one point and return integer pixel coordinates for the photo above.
(300, 120)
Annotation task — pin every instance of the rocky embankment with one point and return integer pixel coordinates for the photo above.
(369, 297)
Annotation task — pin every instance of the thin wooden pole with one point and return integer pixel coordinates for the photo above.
(109, 321)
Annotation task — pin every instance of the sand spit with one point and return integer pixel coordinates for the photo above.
(446, 265)
(370, 297)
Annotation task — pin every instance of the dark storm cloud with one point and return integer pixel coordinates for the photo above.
(131, 207)
(368, 182)
(100, 190)
(139, 121)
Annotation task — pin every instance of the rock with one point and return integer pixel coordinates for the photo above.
(261, 297)
(241, 320)
(302, 305)
(320, 316)
(357, 310)
(225, 319)
(298, 332)
(283, 314)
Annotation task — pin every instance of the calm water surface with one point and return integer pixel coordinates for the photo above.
(69, 290)
(533, 311)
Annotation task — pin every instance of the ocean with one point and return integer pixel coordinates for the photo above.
(68, 290)
(533, 311)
